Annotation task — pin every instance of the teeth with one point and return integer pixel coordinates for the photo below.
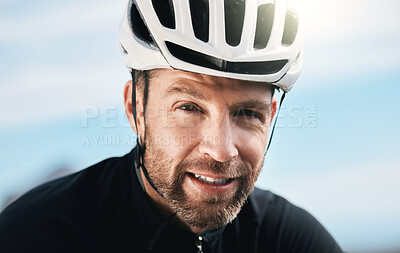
(211, 180)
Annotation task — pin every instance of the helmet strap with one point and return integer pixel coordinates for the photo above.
(276, 119)
(141, 147)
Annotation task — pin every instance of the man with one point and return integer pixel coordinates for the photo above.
(201, 102)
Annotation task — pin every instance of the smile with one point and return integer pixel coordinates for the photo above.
(211, 180)
(210, 183)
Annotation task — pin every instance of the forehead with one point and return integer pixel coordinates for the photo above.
(165, 78)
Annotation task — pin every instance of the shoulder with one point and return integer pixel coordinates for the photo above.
(71, 188)
(58, 211)
(292, 228)
(266, 203)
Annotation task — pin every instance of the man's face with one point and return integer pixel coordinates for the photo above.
(205, 139)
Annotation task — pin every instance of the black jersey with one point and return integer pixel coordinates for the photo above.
(104, 209)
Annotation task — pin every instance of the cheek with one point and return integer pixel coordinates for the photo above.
(184, 139)
(251, 146)
(176, 135)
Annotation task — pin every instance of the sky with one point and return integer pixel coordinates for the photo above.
(335, 149)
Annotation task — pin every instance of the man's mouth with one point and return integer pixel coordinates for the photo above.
(210, 180)
(211, 184)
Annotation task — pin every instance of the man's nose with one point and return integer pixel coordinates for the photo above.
(218, 140)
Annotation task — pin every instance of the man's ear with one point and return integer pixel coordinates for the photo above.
(139, 108)
(274, 105)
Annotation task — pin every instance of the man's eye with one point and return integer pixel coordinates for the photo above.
(188, 108)
(246, 113)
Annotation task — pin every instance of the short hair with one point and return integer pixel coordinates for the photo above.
(141, 80)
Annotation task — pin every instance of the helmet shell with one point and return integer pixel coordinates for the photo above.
(247, 40)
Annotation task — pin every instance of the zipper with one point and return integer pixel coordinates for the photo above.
(199, 244)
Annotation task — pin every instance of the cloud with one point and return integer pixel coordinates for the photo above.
(356, 203)
(44, 94)
(342, 19)
(65, 19)
(363, 192)
(349, 38)
(39, 81)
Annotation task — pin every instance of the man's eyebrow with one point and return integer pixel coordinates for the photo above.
(253, 103)
(179, 89)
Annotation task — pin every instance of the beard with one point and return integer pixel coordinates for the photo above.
(197, 208)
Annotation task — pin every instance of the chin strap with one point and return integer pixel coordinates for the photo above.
(141, 147)
(276, 119)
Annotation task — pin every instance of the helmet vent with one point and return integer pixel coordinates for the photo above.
(207, 61)
(290, 31)
(165, 12)
(265, 18)
(199, 10)
(138, 27)
(234, 19)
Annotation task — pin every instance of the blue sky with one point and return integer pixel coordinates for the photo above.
(335, 150)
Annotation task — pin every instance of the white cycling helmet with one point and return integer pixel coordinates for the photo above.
(256, 40)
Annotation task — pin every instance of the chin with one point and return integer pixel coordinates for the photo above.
(209, 215)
